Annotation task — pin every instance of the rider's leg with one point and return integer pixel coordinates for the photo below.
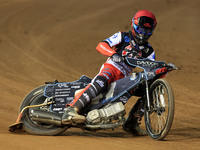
(98, 86)
(107, 74)
(71, 115)
(132, 122)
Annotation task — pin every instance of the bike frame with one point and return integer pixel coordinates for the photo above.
(144, 65)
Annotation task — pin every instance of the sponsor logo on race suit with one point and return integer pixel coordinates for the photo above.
(101, 83)
(129, 54)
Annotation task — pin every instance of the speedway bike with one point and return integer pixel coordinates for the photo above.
(42, 109)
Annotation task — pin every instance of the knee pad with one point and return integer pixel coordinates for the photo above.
(100, 84)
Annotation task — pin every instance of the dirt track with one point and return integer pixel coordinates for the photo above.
(43, 40)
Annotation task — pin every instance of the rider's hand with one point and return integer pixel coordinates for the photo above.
(116, 58)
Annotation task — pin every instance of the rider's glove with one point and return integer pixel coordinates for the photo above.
(116, 58)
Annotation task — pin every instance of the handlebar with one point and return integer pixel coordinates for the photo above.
(149, 63)
(171, 66)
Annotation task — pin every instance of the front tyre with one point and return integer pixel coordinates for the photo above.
(36, 97)
(159, 119)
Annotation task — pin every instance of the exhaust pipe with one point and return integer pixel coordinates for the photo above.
(46, 117)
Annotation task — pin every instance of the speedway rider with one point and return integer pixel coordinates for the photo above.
(115, 47)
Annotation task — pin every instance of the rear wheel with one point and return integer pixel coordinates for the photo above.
(36, 97)
(160, 117)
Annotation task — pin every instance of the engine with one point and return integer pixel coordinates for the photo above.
(107, 114)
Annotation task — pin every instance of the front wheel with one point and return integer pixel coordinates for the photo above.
(159, 118)
(36, 97)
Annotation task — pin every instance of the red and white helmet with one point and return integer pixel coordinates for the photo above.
(143, 24)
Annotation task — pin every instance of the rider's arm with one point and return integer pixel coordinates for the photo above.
(105, 47)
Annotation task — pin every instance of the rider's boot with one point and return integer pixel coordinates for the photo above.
(132, 123)
(71, 115)
(132, 126)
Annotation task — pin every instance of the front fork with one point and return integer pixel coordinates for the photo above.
(147, 96)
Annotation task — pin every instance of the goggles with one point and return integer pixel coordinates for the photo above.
(142, 31)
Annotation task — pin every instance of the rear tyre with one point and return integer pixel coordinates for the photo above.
(33, 98)
(159, 119)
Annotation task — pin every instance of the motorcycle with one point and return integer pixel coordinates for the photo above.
(42, 109)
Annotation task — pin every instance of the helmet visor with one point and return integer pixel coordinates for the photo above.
(143, 31)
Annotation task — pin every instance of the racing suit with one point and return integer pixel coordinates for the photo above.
(123, 44)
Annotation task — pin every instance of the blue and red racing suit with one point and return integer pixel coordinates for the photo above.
(121, 43)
